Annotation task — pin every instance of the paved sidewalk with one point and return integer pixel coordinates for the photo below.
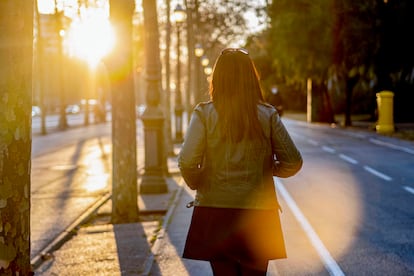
(152, 246)
(69, 179)
(169, 247)
(101, 248)
(98, 247)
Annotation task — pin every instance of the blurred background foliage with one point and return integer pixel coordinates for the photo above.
(350, 49)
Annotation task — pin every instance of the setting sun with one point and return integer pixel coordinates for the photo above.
(90, 38)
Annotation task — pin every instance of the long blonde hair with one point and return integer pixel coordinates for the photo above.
(235, 92)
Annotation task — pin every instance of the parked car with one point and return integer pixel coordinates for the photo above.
(36, 111)
(140, 109)
(72, 109)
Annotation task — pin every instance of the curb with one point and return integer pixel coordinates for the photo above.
(154, 250)
(67, 233)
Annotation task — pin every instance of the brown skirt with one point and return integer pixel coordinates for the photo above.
(240, 234)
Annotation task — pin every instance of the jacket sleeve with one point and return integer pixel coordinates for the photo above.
(288, 160)
(190, 158)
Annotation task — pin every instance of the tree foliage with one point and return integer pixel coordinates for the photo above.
(359, 44)
(301, 36)
(222, 22)
(301, 46)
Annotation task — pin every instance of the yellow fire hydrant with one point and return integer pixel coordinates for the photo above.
(385, 104)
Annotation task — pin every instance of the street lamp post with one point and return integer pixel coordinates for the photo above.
(206, 69)
(40, 66)
(204, 61)
(63, 124)
(153, 180)
(198, 51)
(179, 15)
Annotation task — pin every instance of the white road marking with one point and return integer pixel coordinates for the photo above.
(392, 146)
(348, 159)
(409, 189)
(330, 264)
(356, 135)
(313, 142)
(328, 149)
(367, 168)
(377, 173)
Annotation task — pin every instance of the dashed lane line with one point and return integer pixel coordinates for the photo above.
(328, 149)
(409, 189)
(313, 142)
(367, 168)
(330, 264)
(353, 161)
(348, 159)
(377, 173)
(356, 135)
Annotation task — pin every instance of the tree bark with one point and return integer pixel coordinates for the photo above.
(124, 146)
(321, 104)
(349, 88)
(16, 56)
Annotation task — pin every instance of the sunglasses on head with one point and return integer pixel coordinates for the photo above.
(232, 50)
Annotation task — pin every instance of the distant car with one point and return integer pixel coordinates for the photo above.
(36, 111)
(108, 107)
(275, 99)
(140, 109)
(72, 109)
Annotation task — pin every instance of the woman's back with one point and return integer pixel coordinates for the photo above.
(235, 174)
(233, 146)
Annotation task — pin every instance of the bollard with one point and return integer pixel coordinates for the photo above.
(385, 104)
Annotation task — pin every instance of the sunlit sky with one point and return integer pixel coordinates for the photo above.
(46, 6)
(90, 35)
(90, 38)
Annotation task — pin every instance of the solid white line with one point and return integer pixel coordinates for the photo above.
(330, 264)
(392, 146)
(328, 149)
(377, 173)
(348, 159)
(409, 189)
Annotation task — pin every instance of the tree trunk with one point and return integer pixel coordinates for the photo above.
(16, 56)
(124, 145)
(321, 104)
(349, 88)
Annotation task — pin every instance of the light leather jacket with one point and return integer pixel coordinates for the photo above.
(238, 175)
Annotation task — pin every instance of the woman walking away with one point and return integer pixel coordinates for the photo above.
(234, 145)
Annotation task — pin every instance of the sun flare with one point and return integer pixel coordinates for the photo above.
(91, 38)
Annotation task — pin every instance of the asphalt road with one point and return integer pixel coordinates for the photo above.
(71, 171)
(350, 210)
(52, 122)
